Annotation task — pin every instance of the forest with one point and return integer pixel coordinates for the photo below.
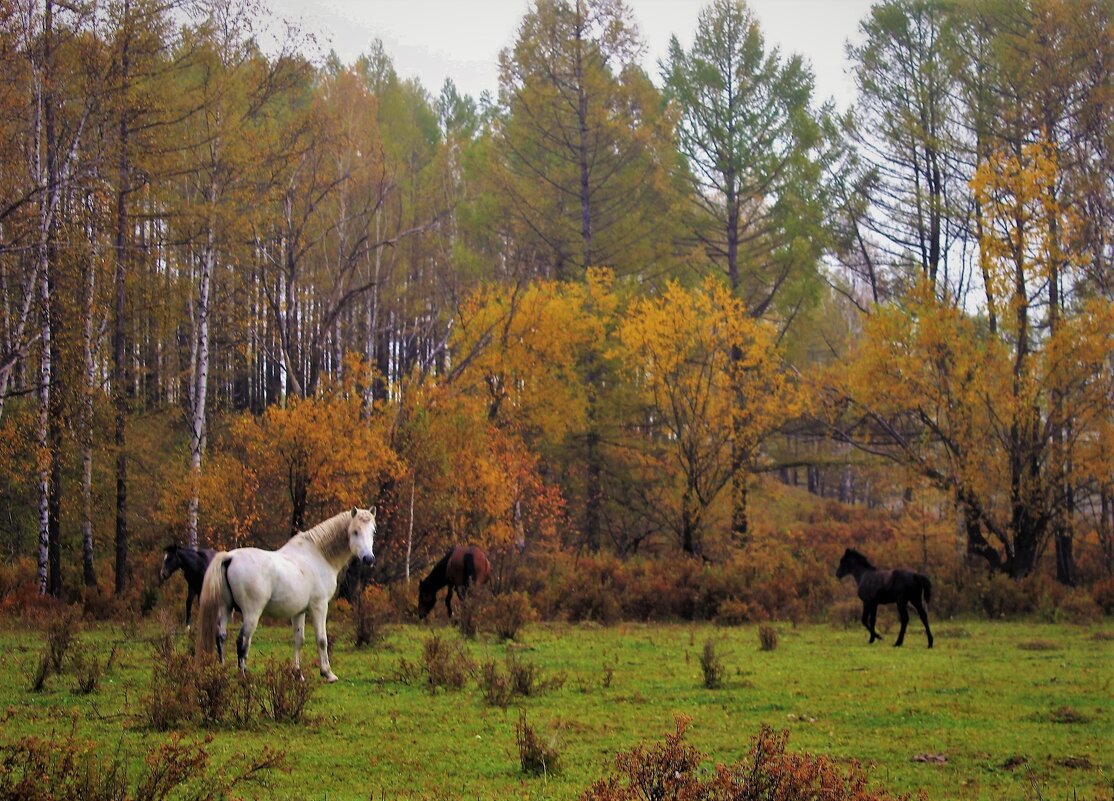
(605, 314)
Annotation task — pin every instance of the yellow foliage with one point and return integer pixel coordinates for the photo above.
(1024, 224)
(523, 345)
(706, 366)
(712, 388)
(934, 389)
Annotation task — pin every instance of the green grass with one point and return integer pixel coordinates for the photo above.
(984, 697)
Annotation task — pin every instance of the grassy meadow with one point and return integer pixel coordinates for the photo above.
(1017, 710)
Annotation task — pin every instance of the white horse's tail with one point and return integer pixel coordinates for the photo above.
(214, 594)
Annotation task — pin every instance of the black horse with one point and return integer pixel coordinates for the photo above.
(901, 587)
(461, 568)
(193, 565)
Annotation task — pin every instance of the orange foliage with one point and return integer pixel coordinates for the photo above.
(477, 482)
(321, 453)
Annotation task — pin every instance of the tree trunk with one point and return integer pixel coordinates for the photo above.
(592, 486)
(200, 383)
(120, 387)
(47, 433)
(740, 522)
(42, 438)
(89, 362)
(410, 530)
(690, 523)
(977, 544)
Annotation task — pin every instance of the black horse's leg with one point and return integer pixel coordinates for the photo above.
(189, 606)
(874, 635)
(449, 601)
(924, 619)
(866, 620)
(903, 613)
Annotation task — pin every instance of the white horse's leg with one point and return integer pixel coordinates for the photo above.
(243, 642)
(222, 629)
(317, 618)
(299, 624)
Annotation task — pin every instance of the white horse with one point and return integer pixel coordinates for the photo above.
(298, 578)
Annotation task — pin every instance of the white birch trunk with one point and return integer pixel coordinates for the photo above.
(410, 532)
(42, 438)
(88, 352)
(200, 383)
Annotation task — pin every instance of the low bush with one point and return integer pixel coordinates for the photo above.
(443, 664)
(470, 612)
(215, 690)
(369, 614)
(100, 605)
(1102, 593)
(59, 637)
(535, 756)
(187, 690)
(1077, 606)
(1003, 597)
(845, 614)
(66, 769)
(529, 680)
(672, 770)
(733, 612)
(712, 666)
(172, 699)
(767, 637)
(282, 692)
(87, 670)
(508, 613)
(495, 684)
(17, 578)
(40, 672)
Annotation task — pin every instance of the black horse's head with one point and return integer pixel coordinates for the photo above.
(852, 559)
(171, 561)
(427, 597)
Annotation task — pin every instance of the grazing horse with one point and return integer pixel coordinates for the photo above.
(462, 567)
(298, 578)
(192, 563)
(901, 587)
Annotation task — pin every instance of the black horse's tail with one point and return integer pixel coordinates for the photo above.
(926, 587)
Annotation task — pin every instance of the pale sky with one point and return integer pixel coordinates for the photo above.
(461, 39)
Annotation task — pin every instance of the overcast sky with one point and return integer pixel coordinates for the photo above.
(461, 39)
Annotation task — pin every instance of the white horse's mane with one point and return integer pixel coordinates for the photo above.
(330, 536)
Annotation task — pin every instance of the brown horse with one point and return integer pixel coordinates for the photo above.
(901, 587)
(461, 568)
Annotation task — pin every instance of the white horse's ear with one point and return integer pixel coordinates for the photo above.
(353, 511)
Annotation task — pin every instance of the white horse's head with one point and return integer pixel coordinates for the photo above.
(361, 535)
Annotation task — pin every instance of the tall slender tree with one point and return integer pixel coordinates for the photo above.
(755, 153)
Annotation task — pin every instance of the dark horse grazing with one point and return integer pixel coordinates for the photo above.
(901, 587)
(192, 563)
(461, 568)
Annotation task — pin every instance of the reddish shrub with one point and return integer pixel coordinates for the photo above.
(672, 770)
(1103, 595)
(369, 614)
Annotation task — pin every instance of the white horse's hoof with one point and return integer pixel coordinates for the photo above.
(331, 677)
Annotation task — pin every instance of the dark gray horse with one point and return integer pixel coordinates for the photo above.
(192, 564)
(901, 587)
